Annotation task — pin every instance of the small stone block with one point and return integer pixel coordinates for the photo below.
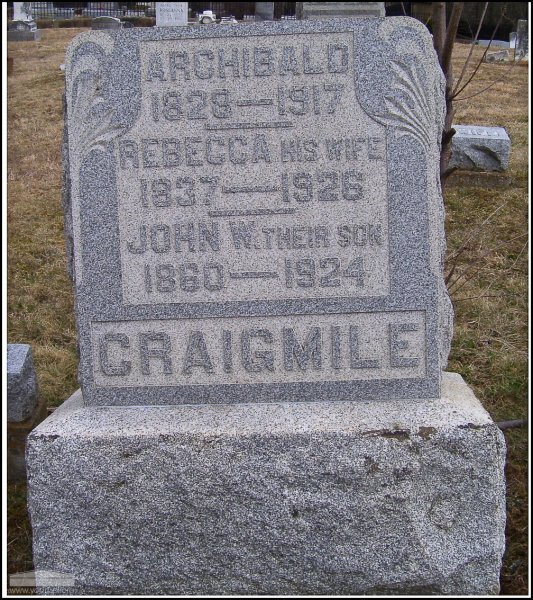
(23, 36)
(289, 498)
(496, 57)
(106, 23)
(17, 434)
(479, 148)
(22, 387)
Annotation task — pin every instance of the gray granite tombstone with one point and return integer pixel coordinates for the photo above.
(171, 14)
(249, 248)
(478, 148)
(522, 39)
(258, 238)
(25, 410)
(327, 10)
(497, 57)
(264, 11)
(23, 27)
(22, 391)
(106, 22)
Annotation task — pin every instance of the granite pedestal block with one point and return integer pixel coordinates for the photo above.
(271, 498)
(23, 36)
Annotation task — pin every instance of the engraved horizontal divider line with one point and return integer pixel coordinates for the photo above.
(255, 275)
(261, 125)
(252, 212)
(258, 102)
(236, 189)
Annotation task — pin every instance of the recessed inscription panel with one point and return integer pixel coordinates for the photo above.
(256, 213)
(260, 176)
(260, 350)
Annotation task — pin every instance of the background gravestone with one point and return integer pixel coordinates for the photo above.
(105, 22)
(170, 14)
(23, 28)
(480, 148)
(24, 408)
(264, 11)
(258, 242)
(22, 392)
(522, 39)
(325, 10)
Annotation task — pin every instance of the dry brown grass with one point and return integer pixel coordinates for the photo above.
(490, 343)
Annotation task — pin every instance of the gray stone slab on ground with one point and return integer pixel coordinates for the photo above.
(497, 57)
(22, 389)
(276, 498)
(326, 10)
(278, 234)
(105, 22)
(479, 148)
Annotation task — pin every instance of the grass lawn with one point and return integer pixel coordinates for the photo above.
(486, 217)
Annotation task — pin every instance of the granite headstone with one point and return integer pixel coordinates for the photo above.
(22, 391)
(258, 241)
(327, 10)
(171, 14)
(106, 22)
(522, 39)
(25, 409)
(264, 11)
(478, 148)
(278, 233)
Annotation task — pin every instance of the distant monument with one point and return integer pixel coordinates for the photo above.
(171, 14)
(23, 27)
(264, 11)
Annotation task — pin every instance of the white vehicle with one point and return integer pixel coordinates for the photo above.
(208, 16)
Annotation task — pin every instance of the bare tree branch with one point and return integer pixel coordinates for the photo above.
(476, 264)
(500, 79)
(472, 46)
(438, 22)
(480, 226)
(455, 94)
(451, 33)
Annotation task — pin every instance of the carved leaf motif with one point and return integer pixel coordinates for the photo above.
(408, 109)
(91, 118)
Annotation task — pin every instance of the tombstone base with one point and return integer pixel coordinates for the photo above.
(403, 497)
(24, 36)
